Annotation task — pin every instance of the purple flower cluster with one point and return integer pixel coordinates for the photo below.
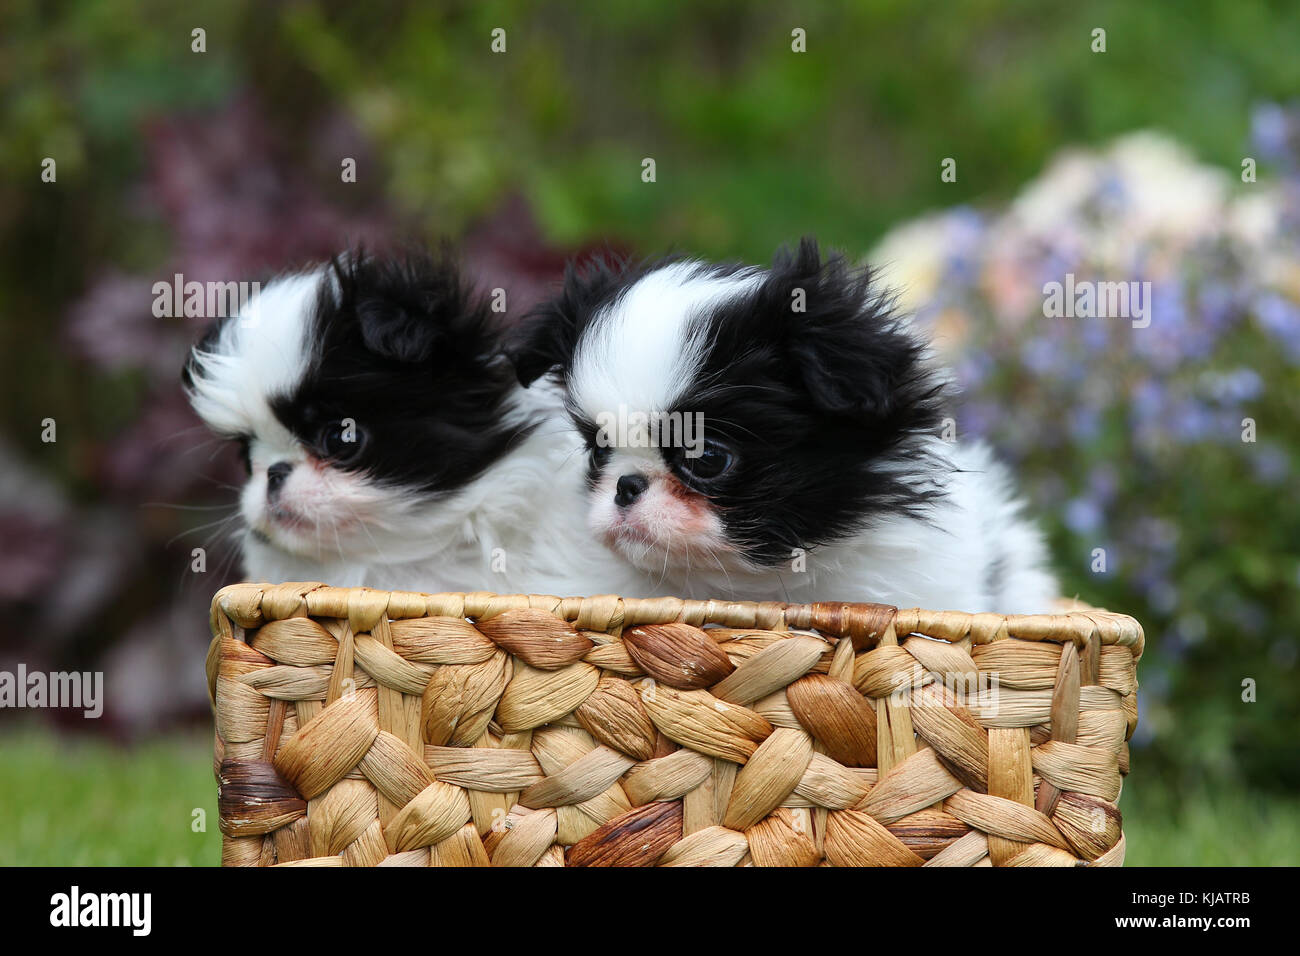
(1161, 438)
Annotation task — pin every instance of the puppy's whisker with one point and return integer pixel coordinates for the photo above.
(200, 528)
(164, 440)
(165, 504)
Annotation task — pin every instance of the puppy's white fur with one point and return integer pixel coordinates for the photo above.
(646, 349)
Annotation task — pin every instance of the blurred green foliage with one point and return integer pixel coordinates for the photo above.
(754, 143)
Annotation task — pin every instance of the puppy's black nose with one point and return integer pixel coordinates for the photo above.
(629, 489)
(275, 477)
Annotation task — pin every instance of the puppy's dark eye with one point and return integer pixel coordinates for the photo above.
(599, 455)
(341, 441)
(714, 460)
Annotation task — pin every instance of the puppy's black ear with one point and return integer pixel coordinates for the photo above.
(546, 338)
(392, 329)
(408, 306)
(543, 341)
(854, 355)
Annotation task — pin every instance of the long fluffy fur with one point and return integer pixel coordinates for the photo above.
(830, 404)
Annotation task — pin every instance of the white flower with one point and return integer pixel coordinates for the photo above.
(910, 259)
(1144, 187)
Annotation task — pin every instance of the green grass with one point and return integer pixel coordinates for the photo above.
(75, 801)
(1208, 827)
(82, 802)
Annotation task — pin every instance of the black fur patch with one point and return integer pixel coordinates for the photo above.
(405, 348)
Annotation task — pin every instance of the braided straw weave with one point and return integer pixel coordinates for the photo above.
(360, 728)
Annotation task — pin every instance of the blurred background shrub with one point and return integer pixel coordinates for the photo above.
(1162, 456)
(225, 164)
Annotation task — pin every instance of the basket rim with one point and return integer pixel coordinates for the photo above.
(249, 605)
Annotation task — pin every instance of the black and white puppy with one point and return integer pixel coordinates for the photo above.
(387, 441)
(766, 433)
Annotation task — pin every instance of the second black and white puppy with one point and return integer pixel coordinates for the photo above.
(766, 433)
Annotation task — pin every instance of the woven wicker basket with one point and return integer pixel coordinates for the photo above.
(358, 728)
